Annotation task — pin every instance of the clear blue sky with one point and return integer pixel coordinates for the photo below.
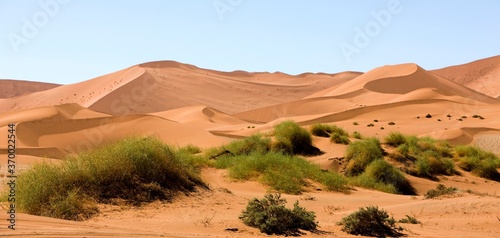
(75, 40)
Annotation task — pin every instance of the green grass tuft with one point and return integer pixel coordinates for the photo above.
(382, 176)
(480, 162)
(440, 190)
(293, 139)
(284, 173)
(135, 169)
(361, 153)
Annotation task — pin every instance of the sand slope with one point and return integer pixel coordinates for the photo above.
(165, 85)
(14, 88)
(481, 75)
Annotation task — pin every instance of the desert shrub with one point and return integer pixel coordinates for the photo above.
(338, 138)
(355, 123)
(293, 139)
(427, 157)
(428, 116)
(357, 135)
(381, 171)
(370, 221)
(272, 217)
(392, 123)
(440, 190)
(136, 170)
(190, 149)
(409, 220)
(325, 130)
(428, 165)
(395, 139)
(361, 153)
(282, 172)
(253, 144)
(370, 125)
(478, 161)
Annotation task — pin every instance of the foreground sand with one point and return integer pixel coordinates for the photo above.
(220, 107)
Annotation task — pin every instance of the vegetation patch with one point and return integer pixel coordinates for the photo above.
(361, 153)
(136, 170)
(284, 173)
(293, 139)
(439, 191)
(272, 217)
(423, 157)
(382, 176)
(480, 162)
(370, 221)
(410, 220)
(357, 135)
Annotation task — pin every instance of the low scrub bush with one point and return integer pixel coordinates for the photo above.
(284, 173)
(395, 139)
(253, 144)
(361, 153)
(480, 162)
(293, 139)
(338, 138)
(136, 170)
(427, 157)
(357, 135)
(410, 220)
(370, 221)
(272, 217)
(383, 176)
(440, 190)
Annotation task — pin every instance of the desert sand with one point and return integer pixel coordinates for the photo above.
(183, 104)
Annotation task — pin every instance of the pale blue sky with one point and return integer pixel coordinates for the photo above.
(76, 40)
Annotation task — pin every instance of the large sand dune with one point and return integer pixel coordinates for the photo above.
(481, 75)
(183, 104)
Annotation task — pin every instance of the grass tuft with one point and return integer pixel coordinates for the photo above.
(284, 173)
(293, 139)
(361, 153)
(480, 162)
(136, 169)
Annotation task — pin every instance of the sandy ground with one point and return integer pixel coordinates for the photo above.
(183, 104)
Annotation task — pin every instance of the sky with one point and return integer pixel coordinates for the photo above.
(68, 41)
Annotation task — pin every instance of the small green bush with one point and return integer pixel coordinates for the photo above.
(326, 130)
(253, 144)
(370, 221)
(357, 135)
(272, 217)
(136, 170)
(338, 138)
(361, 153)
(383, 172)
(395, 139)
(282, 172)
(410, 220)
(441, 190)
(293, 139)
(478, 161)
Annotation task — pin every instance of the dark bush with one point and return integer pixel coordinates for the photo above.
(272, 217)
(370, 221)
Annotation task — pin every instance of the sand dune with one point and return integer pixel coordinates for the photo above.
(159, 86)
(183, 104)
(481, 75)
(14, 88)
